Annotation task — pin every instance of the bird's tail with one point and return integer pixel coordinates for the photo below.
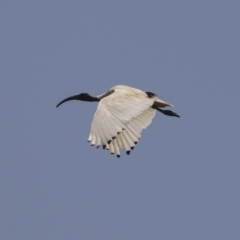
(161, 104)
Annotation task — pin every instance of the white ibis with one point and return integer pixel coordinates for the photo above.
(122, 113)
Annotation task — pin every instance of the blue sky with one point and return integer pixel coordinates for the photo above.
(182, 179)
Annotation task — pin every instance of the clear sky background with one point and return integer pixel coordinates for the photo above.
(181, 181)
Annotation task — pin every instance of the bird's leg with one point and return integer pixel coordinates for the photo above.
(167, 112)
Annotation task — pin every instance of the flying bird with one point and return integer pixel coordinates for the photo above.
(122, 113)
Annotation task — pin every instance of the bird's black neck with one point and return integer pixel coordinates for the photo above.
(88, 98)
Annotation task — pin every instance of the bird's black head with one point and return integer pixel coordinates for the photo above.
(81, 97)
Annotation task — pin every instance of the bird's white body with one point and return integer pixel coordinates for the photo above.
(120, 118)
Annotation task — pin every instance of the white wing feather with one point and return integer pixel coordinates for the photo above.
(120, 118)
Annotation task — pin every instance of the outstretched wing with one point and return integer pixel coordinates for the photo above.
(120, 119)
(129, 137)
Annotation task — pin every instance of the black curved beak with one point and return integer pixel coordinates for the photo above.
(75, 97)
